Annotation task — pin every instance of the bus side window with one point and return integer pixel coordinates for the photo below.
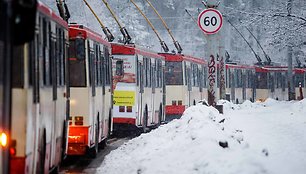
(141, 80)
(119, 68)
(189, 83)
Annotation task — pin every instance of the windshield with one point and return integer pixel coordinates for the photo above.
(174, 73)
(77, 48)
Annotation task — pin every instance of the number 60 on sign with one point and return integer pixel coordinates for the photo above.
(210, 21)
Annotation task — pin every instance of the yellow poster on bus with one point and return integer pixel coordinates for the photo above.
(124, 98)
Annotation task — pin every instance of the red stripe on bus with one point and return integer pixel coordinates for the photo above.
(175, 109)
(125, 120)
(232, 66)
(17, 165)
(51, 14)
(172, 57)
(194, 59)
(132, 49)
(86, 33)
(122, 49)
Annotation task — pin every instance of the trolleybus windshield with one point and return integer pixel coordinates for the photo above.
(77, 73)
(174, 73)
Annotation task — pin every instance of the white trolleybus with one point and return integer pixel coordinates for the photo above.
(39, 114)
(185, 79)
(90, 91)
(138, 88)
(272, 82)
(240, 83)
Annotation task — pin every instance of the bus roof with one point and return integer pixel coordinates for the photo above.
(279, 69)
(132, 49)
(240, 66)
(76, 30)
(44, 9)
(181, 57)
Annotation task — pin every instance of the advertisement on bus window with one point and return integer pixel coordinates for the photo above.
(124, 80)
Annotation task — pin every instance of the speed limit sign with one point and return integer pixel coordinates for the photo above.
(210, 21)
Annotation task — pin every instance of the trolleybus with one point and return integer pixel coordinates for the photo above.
(186, 81)
(90, 91)
(138, 88)
(39, 97)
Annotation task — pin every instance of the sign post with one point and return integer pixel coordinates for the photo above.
(210, 21)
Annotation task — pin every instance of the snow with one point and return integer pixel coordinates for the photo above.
(266, 137)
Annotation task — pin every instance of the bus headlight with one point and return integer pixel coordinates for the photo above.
(3, 139)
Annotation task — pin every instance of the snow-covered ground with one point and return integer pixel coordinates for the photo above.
(267, 137)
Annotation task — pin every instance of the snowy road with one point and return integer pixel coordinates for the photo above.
(88, 165)
(267, 137)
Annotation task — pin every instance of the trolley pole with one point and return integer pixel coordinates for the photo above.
(210, 21)
(291, 86)
(221, 40)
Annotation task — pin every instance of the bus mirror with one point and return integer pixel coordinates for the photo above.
(80, 48)
(24, 16)
(119, 68)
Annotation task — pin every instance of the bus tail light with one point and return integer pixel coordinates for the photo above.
(129, 109)
(70, 121)
(180, 102)
(78, 121)
(174, 102)
(3, 139)
(12, 151)
(121, 108)
(13, 148)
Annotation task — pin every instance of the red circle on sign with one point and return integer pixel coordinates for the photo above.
(217, 13)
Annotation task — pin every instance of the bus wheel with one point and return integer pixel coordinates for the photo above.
(145, 119)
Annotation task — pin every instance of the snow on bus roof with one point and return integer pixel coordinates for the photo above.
(76, 30)
(132, 49)
(44, 9)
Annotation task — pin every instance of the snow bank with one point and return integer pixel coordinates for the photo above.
(188, 145)
(275, 128)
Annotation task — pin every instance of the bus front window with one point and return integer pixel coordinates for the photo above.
(77, 48)
(174, 73)
(77, 68)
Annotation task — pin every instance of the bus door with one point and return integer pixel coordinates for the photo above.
(244, 80)
(34, 81)
(153, 83)
(92, 88)
(253, 85)
(189, 86)
(140, 80)
(233, 84)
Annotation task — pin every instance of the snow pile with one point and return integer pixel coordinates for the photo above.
(196, 143)
(275, 128)
(227, 105)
